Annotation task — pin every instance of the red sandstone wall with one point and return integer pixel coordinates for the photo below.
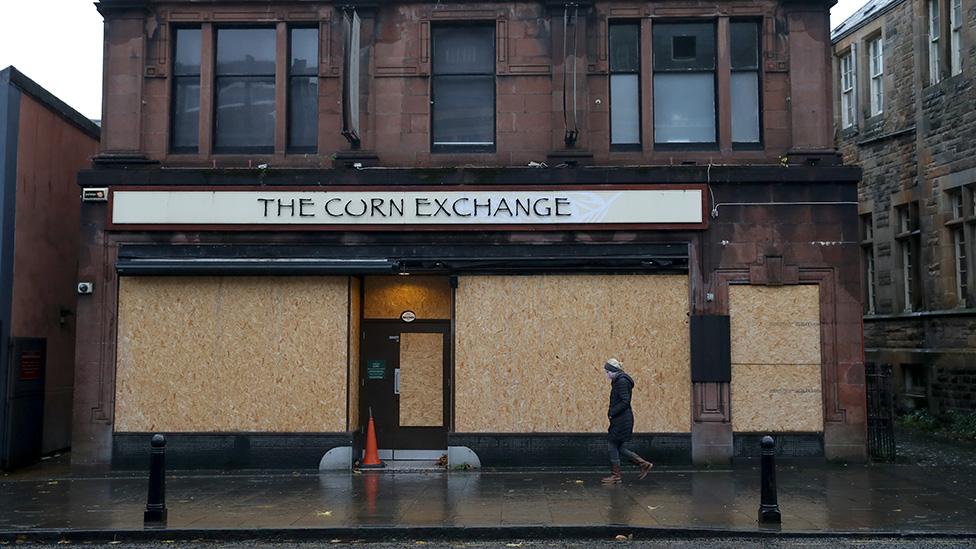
(529, 72)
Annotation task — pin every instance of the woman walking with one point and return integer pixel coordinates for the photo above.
(621, 422)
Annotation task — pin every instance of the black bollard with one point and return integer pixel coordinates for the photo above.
(768, 508)
(155, 515)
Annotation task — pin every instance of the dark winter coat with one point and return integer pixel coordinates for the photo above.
(620, 414)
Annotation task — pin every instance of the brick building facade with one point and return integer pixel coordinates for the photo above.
(905, 115)
(448, 215)
(43, 144)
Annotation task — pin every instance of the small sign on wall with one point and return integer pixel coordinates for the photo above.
(375, 369)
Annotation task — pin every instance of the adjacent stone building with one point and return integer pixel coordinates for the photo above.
(43, 144)
(904, 97)
(446, 216)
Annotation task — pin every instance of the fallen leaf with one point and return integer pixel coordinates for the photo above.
(324, 513)
(620, 537)
(579, 482)
(651, 507)
(53, 482)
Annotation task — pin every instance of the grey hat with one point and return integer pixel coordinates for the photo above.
(613, 366)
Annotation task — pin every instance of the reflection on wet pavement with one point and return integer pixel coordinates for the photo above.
(812, 498)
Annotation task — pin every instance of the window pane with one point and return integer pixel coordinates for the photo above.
(684, 108)
(624, 48)
(465, 49)
(246, 51)
(684, 46)
(304, 51)
(186, 113)
(187, 57)
(303, 112)
(624, 109)
(745, 45)
(745, 107)
(464, 110)
(245, 115)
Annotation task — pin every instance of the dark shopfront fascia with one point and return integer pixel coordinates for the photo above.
(764, 237)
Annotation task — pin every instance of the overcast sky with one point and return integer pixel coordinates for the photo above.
(58, 43)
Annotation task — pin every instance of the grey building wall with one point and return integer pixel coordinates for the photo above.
(919, 150)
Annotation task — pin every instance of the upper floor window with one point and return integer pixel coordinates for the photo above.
(463, 88)
(684, 83)
(303, 89)
(244, 85)
(847, 90)
(625, 84)
(744, 38)
(185, 120)
(955, 28)
(244, 78)
(935, 32)
(876, 57)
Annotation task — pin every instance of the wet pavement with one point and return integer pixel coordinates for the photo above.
(654, 543)
(815, 497)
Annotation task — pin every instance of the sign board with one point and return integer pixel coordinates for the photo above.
(375, 369)
(535, 207)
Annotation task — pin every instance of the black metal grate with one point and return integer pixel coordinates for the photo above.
(881, 427)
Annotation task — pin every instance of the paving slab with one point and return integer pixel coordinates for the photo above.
(902, 499)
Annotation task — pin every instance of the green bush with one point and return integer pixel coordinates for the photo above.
(919, 419)
(953, 424)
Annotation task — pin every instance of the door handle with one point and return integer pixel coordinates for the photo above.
(396, 381)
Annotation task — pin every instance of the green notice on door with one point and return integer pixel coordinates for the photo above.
(375, 369)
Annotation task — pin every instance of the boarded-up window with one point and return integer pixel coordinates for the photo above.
(776, 372)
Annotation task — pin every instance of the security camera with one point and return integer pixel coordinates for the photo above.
(86, 287)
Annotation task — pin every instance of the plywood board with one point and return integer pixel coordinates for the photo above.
(355, 313)
(429, 297)
(258, 354)
(775, 324)
(776, 398)
(776, 367)
(530, 351)
(421, 379)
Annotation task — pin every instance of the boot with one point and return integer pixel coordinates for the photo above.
(614, 477)
(645, 466)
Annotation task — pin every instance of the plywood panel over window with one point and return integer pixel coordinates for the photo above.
(530, 351)
(260, 354)
(421, 380)
(776, 364)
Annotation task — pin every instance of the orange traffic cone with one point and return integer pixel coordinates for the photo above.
(372, 459)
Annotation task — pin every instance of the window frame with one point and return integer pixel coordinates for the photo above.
(748, 145)
(290, 77)
(639, 145)
(909, 244)
(688, 146)
(876, 75)
(934, 19)
(173, 84)
(867, 248)
(448, 148)
(263, 150)
(958, 222)
(848, 77)
(955, 37)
